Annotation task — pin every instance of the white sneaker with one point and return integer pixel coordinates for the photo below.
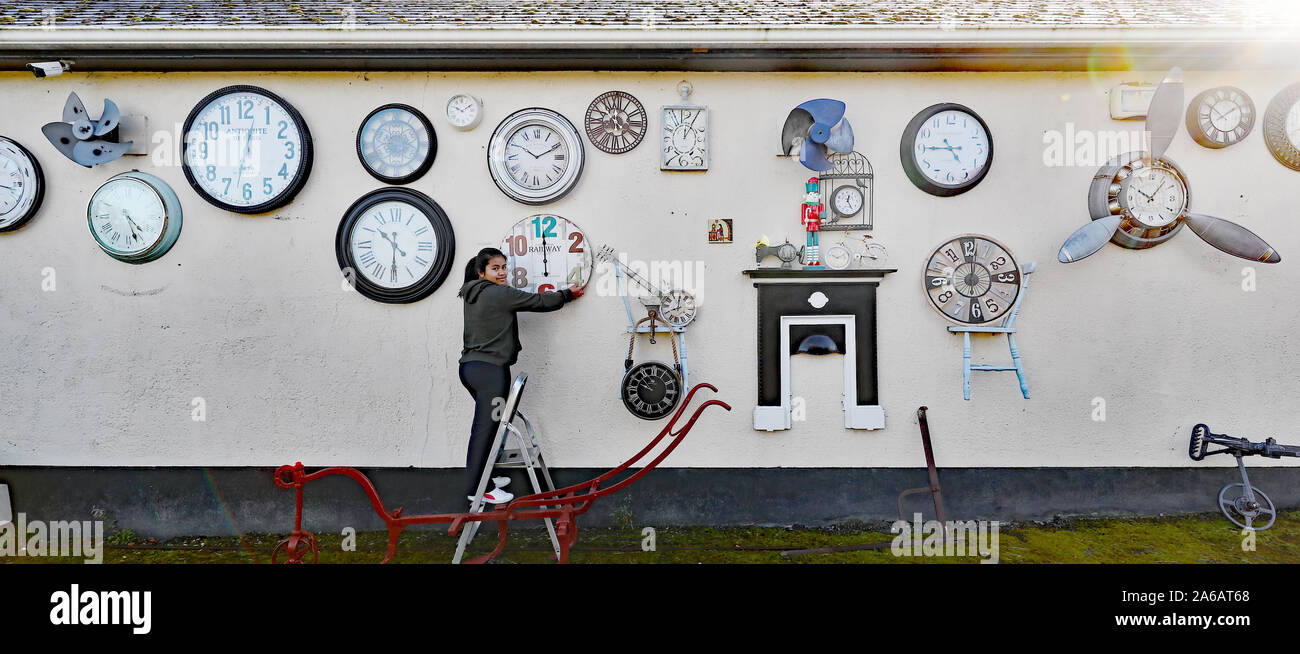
(494, 496)
(501, 482)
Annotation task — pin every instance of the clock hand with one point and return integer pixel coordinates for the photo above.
(952, 149)
(248, 146)
(546, 271)
(396, 250)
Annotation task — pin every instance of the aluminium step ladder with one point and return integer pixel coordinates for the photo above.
(527, 456)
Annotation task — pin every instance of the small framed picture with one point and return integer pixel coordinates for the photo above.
(720, 230)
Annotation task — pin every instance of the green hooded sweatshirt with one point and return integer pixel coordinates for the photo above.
(491, 326)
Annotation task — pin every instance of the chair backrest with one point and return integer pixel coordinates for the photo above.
(1025, 271)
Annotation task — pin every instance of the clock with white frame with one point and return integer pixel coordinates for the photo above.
(1221, 116)
(535, 156)
(946, 149)
(685, 134)
(546, 252)
(135, 217)
(246, 150)
(22, 186)
(395, 245)
(464, 111)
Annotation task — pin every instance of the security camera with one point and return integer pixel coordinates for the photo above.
(48, 68)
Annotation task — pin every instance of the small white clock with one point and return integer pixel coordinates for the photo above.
(135, 217)
(464, 111)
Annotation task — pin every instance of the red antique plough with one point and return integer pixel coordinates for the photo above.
(563, 505)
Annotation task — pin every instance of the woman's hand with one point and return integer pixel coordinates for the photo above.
(577, 291)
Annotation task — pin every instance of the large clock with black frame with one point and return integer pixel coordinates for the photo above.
(396, 144)
(246, 149)
(972, 279)
(395, 245)
(22, 186)
(946, 149)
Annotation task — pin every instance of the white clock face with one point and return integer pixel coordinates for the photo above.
(127, 216)
(393, 244)
(847, 201)
(463, 111)
(1154, 195)
(547, 253)
(951, 148)
(1225, 115)
(535, 156)
(20, 183)
(245, 150)
(685, 138)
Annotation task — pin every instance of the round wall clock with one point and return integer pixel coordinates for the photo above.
(972, 280)
(246, 150)
(1220, 117)
(1149, 198)
(1282, 127)
(847, 201)
(464, 111)
(22, 186)
(135, 217)
(395, 245)
(547, 253)
(396, 144)
(615, 122)
(535, 156)
(946, 149)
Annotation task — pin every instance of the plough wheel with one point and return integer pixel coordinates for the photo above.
(308, 542)
(1245, 513)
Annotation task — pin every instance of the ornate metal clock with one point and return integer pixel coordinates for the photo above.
(685, 134)
(1220, 117)
(246, 150)
(135, 217)
(535, 156)
(396, 144)
(395, 245)
(847, 191)
(972, 279)
(946, 149)
(547, 253)
(1282, 127)
(651, 389)
(22, 186)
(616, 122)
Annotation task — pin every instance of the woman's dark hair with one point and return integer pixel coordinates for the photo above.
(479, 263)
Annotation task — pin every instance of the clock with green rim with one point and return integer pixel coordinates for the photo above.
(395, 245)
(135, 217)
(546, 252)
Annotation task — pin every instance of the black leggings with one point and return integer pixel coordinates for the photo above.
(485, 382)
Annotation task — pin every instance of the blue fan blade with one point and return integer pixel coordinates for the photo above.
(813, 157)
(826, 113)
(841, 140)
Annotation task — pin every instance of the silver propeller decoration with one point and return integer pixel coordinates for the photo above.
(74, 136)
(1164, 116)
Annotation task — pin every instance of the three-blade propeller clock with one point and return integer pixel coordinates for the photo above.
(1141, 199)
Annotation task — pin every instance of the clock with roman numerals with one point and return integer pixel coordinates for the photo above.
(535, 156)
(395, 245)
(972, 280)
(615, 122)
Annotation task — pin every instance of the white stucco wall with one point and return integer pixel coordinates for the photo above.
(248, 312)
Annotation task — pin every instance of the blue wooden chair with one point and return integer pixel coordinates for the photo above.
(1007, 327)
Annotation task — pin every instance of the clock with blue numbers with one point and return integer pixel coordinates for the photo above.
(946, 149)
(395, 245)
(246, 150)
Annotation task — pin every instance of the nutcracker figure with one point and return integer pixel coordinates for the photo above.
(812, 223)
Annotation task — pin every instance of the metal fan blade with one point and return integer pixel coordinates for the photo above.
(1088, 239)
(1166, 112)
(796, 126)
(73, 110)
(813, 157)
(841, 139)
(90, 153)
(61, 137)
(109, 119)
(825, 113)
(1232, 238)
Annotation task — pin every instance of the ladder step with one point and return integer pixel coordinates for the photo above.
(514, 458)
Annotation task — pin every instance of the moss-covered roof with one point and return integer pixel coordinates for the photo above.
(437, 14)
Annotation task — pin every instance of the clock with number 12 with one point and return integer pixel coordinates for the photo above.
(547, 253)
(946, 149)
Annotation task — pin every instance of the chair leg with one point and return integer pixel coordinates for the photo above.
(1020, 370)
(965, 365)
